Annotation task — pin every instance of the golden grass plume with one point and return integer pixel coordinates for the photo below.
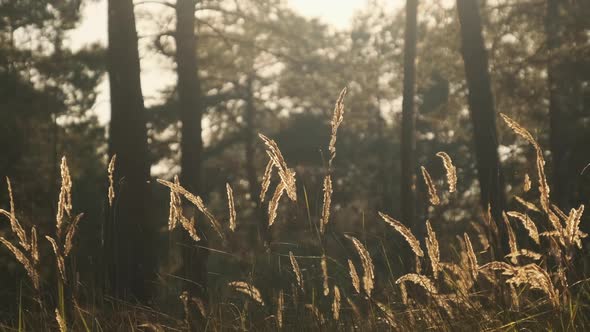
(248, 289)
(111, 175)
(432, 249)
(297, 271)
(450, 169)
(231, 207)
(420, 280)
(432, 195)
(367, 262)
(405, 232)
(336, 304)
(356, 282)
(326, 204)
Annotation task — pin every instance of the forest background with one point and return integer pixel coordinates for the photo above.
(421, 78)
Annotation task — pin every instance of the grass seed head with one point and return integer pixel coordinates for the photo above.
(432, 195)
(450, 169)
(405, 232)
(231, 207)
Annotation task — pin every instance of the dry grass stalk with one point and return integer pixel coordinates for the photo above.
(197, 201)
(471, 257)
(514, 298)
(297, 271)
(525, 253)
(490, 222)
(450, 169)
(457, 276)
(200, 306)
(316, 313)
(336, 304)
(60, 321)
(175, 212)
(184, 299)
(432, 249)
(280, 308)
(266, 180)
(537, 278)
(71, 232)
(327, 203)
(527, 204)
(419, 280)
(356, 282)
(60, 259)
(559, 212)
(34, 246)
(403, 293)
(527, 185)
(15, 225)
(111, 172)
(324, 265)
(274, 203)
(355, 308)
(481, 234)
(405, 232)
(231, 206)
(432, 195)
(367, 262)
(442, 300)
(528, 224)
(511, 238)
(286, 174)
(337, 118)
(543, 186)
(189, 226)
(248, 289)
(64, 205)
(388, 315)
(573, 235)
(496, 266)
(25, 262)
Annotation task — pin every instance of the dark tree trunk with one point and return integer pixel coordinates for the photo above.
(129, 234)
(560, 120)
(408, 140)
(191, 145)
(253, 185)
(481, 107)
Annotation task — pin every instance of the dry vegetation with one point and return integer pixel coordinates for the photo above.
(535, 286)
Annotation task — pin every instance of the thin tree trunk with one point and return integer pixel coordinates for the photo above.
(408, 141)
(191, 145)
(561, 135)
(253, 185)
(129, 234)
(481, 106)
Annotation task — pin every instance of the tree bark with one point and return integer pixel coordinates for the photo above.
(191, 144)
(129, 234)
(560, 121)
(408, 140)
(481, 107)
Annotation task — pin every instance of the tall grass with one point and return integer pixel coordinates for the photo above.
(534, 286)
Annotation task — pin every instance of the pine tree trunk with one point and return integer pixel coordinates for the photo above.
(191, 145)
(481, 107)
(408, 140)
(560, 122)
(129, 232)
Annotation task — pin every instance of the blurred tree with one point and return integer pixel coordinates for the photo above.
(408, 141)
(481, 106)
(191, 109)
(47, 92)
(130, 232)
